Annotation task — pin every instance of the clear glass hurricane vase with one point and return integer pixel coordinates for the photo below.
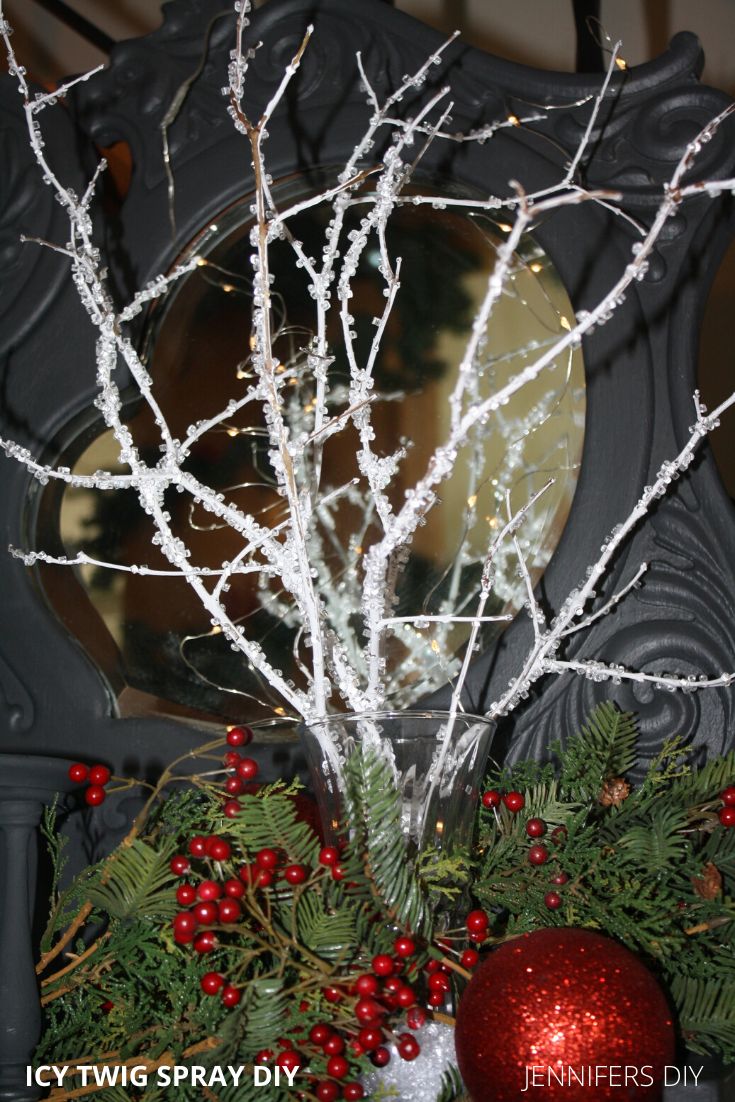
(438, 761)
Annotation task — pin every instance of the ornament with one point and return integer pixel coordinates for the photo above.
(614, 791)
(554, 1007)
(416, 1065)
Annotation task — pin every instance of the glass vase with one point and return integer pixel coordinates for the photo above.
(438, 760)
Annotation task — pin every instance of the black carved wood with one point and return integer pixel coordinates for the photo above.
(640, 369)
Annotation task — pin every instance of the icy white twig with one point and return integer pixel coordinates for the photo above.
(311, 576)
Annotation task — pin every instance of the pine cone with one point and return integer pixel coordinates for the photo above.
(614, 791)
(709, 885)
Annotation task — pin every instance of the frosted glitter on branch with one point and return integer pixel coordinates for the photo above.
(329, 559)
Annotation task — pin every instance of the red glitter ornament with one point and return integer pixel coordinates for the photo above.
(550, 1009)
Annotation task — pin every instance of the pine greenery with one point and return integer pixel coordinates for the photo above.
(650, 866)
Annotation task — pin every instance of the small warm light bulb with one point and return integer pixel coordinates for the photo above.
(621, 63)
(227, 288)
(435, 646)
(472, 501)
(233, 432)
(536, 267)
(504, 227)
(514, 120)
(564, 323)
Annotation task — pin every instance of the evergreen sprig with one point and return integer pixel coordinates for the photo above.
(649, 865)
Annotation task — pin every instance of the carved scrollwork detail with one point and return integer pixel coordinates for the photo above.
(26, 207)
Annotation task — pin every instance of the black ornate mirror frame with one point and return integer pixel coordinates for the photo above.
(640, 371)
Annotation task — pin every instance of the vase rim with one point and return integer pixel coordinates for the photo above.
(397, 713)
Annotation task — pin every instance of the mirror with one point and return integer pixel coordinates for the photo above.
(196, 346)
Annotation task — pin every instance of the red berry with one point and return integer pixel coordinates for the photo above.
(231, 996)
(99, 774)
(380, 1057)
(514, 801)
(239, 736)
(435, 998)
(405, 996)
(235, 889)
(334, 1045)
(338, 872)
(368, 1011)
(228, 910)
(320, 1033)
(186, 894)
(179, 865)
(295, 874)
(290, 1060)
(333, 994)
(439, 982)
(234, 786)
(366, 985)
(328, 855)
(478, 936)
(404, 947)
(382, 965)
(205, 942)
(231, 809)
(259, 878)
(209, 890)
(353, 1092)
(219, 849)
(491, 798)
(559, 835)
(211, 983)
(337, 1067)
(231, 759)
(264, 1056)
(185, 921)
(535, 828)
(247, 768)
(552, 901)
(198, 846)
(477, 921)
(727, 816)
(432, 966)
(95, 795)
(416, 1017)
(327, 1091)
(107, 1007)
(78, 772)
(370, 1037)
(560, 878)
(469, 958)
(538, 855)
(266, 858)
(727, 797)
(408, 1046)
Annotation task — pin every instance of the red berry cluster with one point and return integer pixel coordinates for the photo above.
(365, 1001)
(727, 811)
(538, 853)
(514, 801)
(95, 777)
(241, 769)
